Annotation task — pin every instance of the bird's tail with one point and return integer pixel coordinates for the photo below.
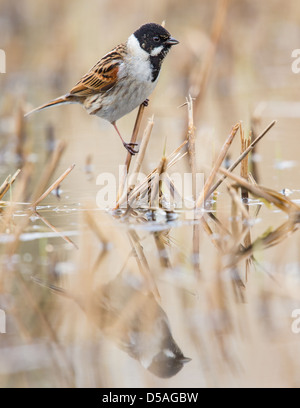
(68, 98)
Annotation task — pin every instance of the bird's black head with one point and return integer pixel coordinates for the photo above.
(153, 38)
(166, 366)
(170, 360)
(156, 41)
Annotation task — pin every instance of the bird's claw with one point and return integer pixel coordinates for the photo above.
(146, 102)
(130, 148)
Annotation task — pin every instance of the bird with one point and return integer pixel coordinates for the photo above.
(128, 314)
(122, 79)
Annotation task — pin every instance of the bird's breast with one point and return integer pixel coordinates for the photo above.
(131, 90)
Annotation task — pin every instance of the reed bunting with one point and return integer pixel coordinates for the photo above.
(123, 79)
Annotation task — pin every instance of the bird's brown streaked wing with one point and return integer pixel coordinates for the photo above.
(102, 76)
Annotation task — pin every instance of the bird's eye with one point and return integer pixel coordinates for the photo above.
(156, 38)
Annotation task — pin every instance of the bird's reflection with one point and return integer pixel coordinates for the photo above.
(131, 317)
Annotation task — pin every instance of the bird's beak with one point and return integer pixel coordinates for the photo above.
(171, 41)
(185, 360)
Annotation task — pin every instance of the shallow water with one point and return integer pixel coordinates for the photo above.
(235, 335)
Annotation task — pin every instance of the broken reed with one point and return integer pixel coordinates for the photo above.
(245, 143)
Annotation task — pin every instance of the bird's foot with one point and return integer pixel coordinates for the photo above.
(146, 102)
(130, 148)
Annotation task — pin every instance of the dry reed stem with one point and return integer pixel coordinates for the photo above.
(254, 182)
(251, 179)
(11, 247)
(175, 195)
(237, 201)
(280, 234)
(255, 123)
(140, 156)
(172, 159)
(192, 162)
(156, 184)
(286, 204)
(90, 220)
(161, 248)
(268, 240)
(143, 264)
(7, 217)
(175, 154)
(176, 159)
(54, 229)
(229, 250)
(278, 199)
(247, 242)
(255, 190)
(191, 143)
(245, 143)
(53, 288)
(20, 191)
(93, 226)
(50, 139)
(129, 156)
(21, 134)
(234, 214)
(138, 162)
(88, 167)
(5, 186)
(48, 172)
(207, 186)
(144, 185)
(217, 28)
(211, 234)
(135, 133)
(53, 186)
(219, 224)
(8, 183)
(237, 162)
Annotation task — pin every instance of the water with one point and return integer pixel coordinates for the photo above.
(235, 323)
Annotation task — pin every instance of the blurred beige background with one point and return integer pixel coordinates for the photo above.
(50, 44)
